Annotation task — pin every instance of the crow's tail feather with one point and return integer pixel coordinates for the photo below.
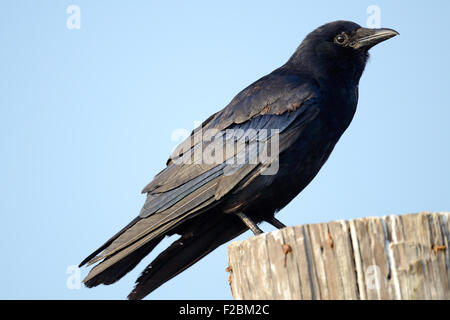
(184, 252)
(107, 243)
(117, 270)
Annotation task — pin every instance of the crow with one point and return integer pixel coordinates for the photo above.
(298, 112)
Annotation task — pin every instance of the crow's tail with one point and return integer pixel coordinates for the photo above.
(114, 271)
(184, 252)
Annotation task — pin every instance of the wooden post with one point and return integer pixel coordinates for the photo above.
(392, 257)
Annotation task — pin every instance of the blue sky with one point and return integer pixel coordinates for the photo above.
(86, 118)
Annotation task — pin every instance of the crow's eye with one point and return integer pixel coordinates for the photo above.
(341, 38)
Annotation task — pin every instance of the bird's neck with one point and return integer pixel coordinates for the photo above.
(344, 72)
(340, 107)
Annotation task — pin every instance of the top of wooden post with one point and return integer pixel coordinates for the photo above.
(390, 257)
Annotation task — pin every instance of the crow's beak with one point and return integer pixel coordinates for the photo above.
(367, 38)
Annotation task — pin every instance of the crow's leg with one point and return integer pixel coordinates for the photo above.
(276, 223)
(249, 223)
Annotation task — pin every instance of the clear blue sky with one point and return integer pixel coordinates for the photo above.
(86, 118)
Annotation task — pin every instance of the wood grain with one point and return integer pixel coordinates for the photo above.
(390, 257)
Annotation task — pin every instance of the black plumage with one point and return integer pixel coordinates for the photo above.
(310, 101)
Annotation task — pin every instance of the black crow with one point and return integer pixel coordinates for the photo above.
(298, 112)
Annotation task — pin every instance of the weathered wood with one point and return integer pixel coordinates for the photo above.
(391, 257)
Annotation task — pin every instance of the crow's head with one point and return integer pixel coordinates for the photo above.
(338, 49)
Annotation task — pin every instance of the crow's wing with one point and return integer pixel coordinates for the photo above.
(185, 189)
